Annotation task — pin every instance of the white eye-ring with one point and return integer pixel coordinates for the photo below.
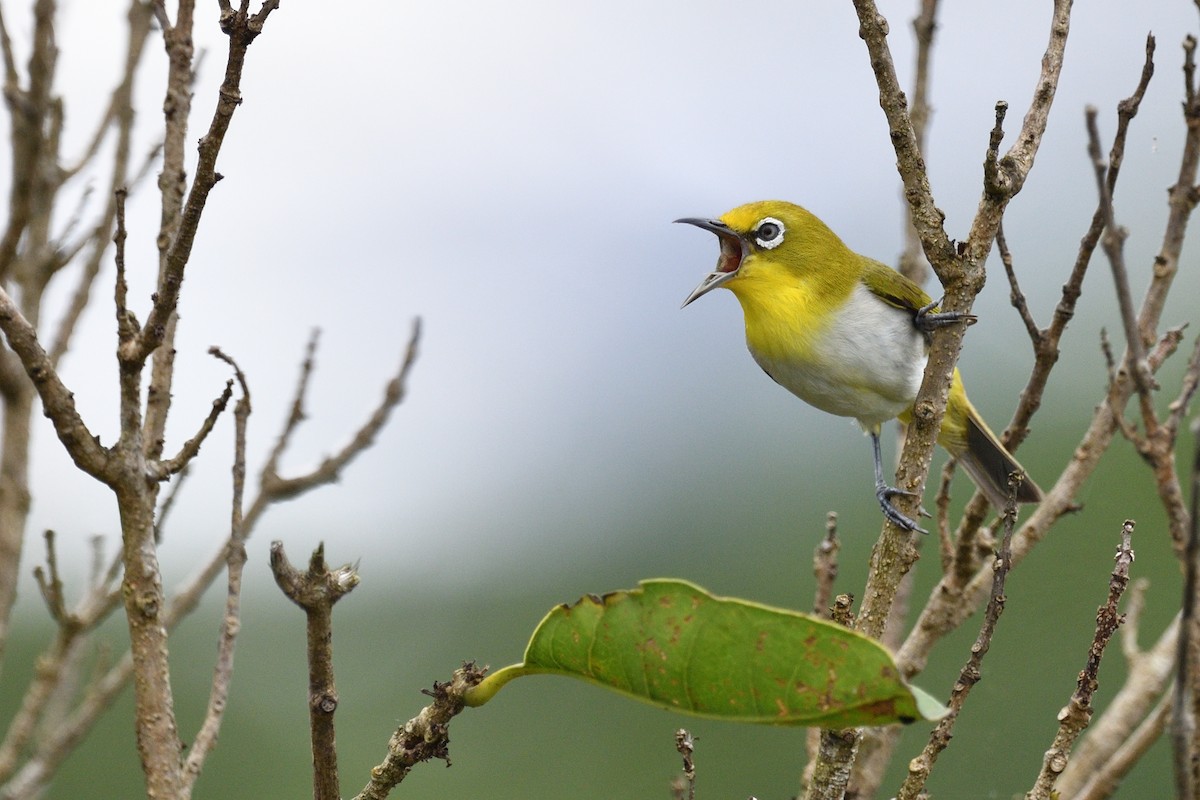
(769, 233)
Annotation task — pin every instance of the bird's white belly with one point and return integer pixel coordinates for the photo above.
(867, 363)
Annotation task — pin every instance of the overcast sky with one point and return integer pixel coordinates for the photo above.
(509, 173)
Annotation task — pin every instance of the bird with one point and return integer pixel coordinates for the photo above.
(848, 335)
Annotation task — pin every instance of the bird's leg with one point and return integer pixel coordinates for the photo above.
(885, 493)
(927, 320)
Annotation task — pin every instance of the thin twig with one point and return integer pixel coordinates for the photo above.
(56, 665)
(1016, 296)
(1183, 722)
(1149, 675)
(825, 569)
(912, 262)
(242, 29)
(1113, 243)
(1046, 341)
(1077, 714)
(80, 297)
(942, 503)
(1178, 408)
(1157, 444)
(825, 566)
(939, 739)
(296, 415)
(52, 587)
(206, 738)
(685, 743)
(1103, 782)
(162, 470)
(168, 504)
(172, 186)
(927, 218)
(276, 488)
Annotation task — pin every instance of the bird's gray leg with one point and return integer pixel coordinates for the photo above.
(885, 493)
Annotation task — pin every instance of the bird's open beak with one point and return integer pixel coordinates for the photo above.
(733, 250)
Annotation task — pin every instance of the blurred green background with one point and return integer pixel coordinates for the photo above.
(510, 174)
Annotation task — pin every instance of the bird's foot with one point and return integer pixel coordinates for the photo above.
(928, 320)
(884, 494)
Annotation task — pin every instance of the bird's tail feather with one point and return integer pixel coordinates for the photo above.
(989, 465)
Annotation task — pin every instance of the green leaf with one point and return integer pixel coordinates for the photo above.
(672, 644)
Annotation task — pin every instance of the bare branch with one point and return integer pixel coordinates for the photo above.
(941, 502)
(948, 605)
(912, 261)
(685, 743)
(1149, 675)
(56, 665)
(296, 415)
(120, 106)
(241, 29)
(316, 591)
(1113, 243)
(91, 267)
(1046, 342)
(926, 217)
(1103, 783)
(825, 566)
(423, 737)
(168, 504)
(831, 769)
(961, 273)
(939, 739)
(172, 185)
(1157, 446)
(127, 326)
(1183, 722)
(161, 470)
(275, 488)
(33, 117)
(1187, 390)
(57, 400)
(1016, 296)
(106, 688)
(1181, 200)
(1078, 713)
(10, 65)
(206, 738)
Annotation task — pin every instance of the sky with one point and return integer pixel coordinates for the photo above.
(509, 174)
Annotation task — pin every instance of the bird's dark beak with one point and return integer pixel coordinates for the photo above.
(733, 250)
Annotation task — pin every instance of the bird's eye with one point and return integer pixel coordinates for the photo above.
(769, 233)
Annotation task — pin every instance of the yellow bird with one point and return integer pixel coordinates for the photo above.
(846, 334)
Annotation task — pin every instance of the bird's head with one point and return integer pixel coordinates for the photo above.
(772, 241)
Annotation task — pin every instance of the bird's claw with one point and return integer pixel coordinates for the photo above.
(928, 320)
(884, 494)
